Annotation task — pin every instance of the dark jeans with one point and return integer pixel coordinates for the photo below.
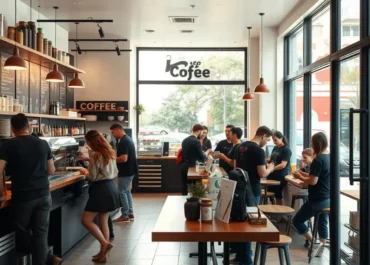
(184, 178)
(31, 219)
(308, 210)
(244, 251)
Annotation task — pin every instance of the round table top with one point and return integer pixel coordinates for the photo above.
(276, 209)
(270, 182)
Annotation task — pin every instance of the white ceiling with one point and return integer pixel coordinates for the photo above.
(221, 22)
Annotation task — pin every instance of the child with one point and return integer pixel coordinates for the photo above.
(307, 157)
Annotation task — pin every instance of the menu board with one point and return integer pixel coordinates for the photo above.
(7, 78)
(54, 91)
(34, 88)
(44, 91)
(22, 87)
(63, 94)
(70, 98)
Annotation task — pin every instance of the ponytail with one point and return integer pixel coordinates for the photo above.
(279, 135)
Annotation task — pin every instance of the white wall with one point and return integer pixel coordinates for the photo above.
(254, 109)
(23, 14)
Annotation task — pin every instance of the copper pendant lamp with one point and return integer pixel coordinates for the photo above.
(248, 96)
(261, 88)
(55, 76)
(76, 82)
(15, 62)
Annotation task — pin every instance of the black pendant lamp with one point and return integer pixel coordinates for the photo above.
(76, 82)
(15, 62)
(249, 95)
(261, 88)
(55, 76)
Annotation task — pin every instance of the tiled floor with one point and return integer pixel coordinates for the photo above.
(133, 246)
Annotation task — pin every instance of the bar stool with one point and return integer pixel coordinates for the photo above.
(270, 195)
(265, 183)
(276, 211)
(304, 197)
(315, 228)
(282, 245)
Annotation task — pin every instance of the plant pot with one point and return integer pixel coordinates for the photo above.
(192, 209)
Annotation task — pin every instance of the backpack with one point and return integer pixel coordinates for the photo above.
(179, 157)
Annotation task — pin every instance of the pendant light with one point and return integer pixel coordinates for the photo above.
(248, 96)
(76, 82)
(55, 76)
(261, 88)
(15, 62)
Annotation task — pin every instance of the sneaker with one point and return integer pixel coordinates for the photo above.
(57, 261)
(232, 261)
(131, 217)
(319, 250)
(121, 220)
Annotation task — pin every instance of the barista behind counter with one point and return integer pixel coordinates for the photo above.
(191, 153)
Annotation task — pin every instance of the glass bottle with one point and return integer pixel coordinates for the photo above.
(24, 28)
(50, 48)
(32, 34)
(46, 46)
(40, 40)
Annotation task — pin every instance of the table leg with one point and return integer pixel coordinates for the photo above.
(226, 253)
(202, 253)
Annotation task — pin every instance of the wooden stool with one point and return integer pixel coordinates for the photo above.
(270, 195)
(265, 183)
(315, 228)
(304, 197)
(275, 211)
(282, 245)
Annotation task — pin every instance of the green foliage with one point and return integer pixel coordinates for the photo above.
(197, 190)
(139, 108)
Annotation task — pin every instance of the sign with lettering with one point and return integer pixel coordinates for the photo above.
(186, 69)
(101, 105)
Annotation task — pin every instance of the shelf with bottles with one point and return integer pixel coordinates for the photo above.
(62, 130)
(43, 116)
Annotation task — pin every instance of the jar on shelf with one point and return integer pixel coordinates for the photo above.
(206, 214)
(11, 33)
(19, 36)
(50, 48)
(40, 40)
(46, 47)
(59, 55)
(54, 52)
(32, 33)
(24, 28)
(10, 103)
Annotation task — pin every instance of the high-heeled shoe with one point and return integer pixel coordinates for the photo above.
(101, 259)
(97, 255)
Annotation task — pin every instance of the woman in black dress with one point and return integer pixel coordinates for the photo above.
(103, 192)
(204, 141)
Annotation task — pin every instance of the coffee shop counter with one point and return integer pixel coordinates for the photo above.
(157, 174)
(69, 197)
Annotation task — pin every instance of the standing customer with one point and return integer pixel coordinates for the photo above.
(251, 158)
(103, 192)
(127, 169)
(225, 146)
(318, 192)
(29, 162)
(280, 156)
(236, 135)
(191, 153)
(204, 141)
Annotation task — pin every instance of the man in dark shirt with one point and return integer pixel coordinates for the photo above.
(236, 135)
(191, 153)
(251, 158)
(225, 146)
(127, 169)
(29, 162)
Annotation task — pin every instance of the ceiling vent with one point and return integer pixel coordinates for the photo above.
(186, 31)
(183, 20)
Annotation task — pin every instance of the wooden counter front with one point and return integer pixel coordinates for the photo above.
(172, 226)
(58, 184)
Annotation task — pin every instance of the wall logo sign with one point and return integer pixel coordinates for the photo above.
(186, 69)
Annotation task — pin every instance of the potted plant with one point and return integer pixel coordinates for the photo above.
(192, 204)
(139, 108)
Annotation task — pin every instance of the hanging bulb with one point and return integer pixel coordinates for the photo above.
(76, 82)
(261, 88)
(248, 96)
(55, 76)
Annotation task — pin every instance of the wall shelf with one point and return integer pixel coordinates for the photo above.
(44, 116)
(33, 56)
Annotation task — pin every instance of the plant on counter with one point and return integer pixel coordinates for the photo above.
(139, 108)
(192, 204)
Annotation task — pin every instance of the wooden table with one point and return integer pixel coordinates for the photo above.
(352, 194)
(172, 226)
(296, 182)
(268, 182)
(194, 175)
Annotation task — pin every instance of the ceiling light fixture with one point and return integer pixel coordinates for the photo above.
(76, 82)
(55, 76)
(248, 96)
(149, 30)
(15, 62)
(118, 50)
(261, 88)
(101, 32)
(187, 31)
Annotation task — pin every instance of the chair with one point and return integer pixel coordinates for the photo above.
(276, 211)
(270, 195)
(315, 228)
(282, 245)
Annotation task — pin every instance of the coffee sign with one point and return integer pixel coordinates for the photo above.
(186, 69)
(101, 105)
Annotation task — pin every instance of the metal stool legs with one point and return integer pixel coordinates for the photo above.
(261, 252)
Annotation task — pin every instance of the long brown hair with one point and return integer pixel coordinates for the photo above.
(319, 143)
(100, 145)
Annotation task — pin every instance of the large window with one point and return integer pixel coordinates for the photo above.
(296, 51)
(321, 35)
(350, 22)
(174, 102)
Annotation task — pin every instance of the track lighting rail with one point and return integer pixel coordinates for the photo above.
(75, 20)
(102, 40)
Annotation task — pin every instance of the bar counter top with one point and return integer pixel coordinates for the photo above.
(156, 157)
(57, 184)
